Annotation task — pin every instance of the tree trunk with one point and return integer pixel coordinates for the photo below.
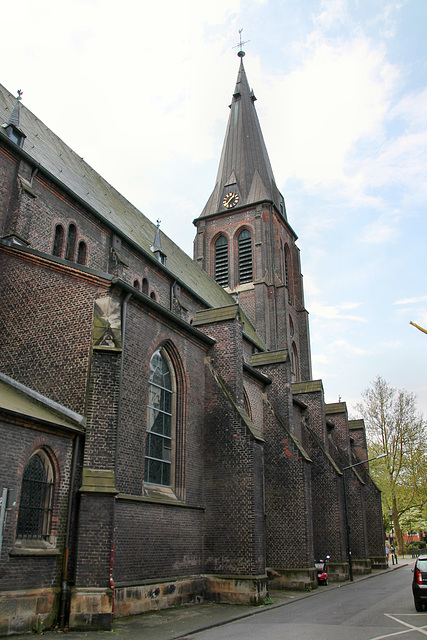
(397, 529)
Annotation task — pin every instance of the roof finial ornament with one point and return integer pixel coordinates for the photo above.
(240, 53)
(19, 96)
(158, 221)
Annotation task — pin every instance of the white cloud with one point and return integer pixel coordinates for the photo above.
(383, 230)
(336, 312)
(415, 300)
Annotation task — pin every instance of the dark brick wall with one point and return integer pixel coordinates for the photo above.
(337, 414)
(9, 166)
(155, 541)
(327, 504)
(233, 529)
(356, 516)
(18, 441)
(103, 395)
(94, 540)
(46, 326)
(287, 501)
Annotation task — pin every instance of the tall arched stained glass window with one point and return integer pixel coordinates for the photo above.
(221, 261)
(159, 436)
(245, 257)
(35, 507)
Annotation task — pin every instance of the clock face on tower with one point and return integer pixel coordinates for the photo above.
(230, 200)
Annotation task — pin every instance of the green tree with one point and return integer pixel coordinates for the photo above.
(395, 427)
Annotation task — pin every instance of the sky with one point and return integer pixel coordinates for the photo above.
(141, 91)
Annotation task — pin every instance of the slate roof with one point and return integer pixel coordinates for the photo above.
(54, 157)
(244, 159)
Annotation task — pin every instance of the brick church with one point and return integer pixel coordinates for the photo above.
(162, 440)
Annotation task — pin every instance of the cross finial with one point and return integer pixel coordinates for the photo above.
(158, 223)
(241, 53)
(19, 97)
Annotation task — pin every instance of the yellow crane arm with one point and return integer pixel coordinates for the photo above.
(418, 327)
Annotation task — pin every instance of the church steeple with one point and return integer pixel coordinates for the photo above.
(245, 176)
(245, 242)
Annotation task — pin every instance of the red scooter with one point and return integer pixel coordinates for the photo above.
(322, 572)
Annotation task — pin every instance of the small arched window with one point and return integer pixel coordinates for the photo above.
(246, 403)
(295, 364)
(145, 286)
(71, 242)
(153, 296)
(82, 253)
(244, 244)
(136, 284)
(160, 422)
(221, 261)
(288, 273)
(35, 507)
(58, 242)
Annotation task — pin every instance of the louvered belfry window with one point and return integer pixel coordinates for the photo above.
(35, 508)
(245, 257)
(221, 261)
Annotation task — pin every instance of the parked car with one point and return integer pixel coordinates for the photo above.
(322, 572)
(419, 582)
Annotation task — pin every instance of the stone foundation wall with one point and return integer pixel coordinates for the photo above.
(91, 608)
(300, 579)
(132, 600)
(28, 611)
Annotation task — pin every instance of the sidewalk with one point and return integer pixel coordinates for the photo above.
(183, 622)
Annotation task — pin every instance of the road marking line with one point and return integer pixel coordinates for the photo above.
(405, 624)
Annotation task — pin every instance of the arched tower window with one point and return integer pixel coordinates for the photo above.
(136, 284)
(288, 273)
(58, 242)
(145, 286)
(71, 242)
(221, 261)
(246, 403)
(160, 421)
(244, 244)
(295, 364)
(82, 253)
(35, 507)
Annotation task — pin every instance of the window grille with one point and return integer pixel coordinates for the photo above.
(35, 508)
(221, 261)
(158, 447)
(245, 257)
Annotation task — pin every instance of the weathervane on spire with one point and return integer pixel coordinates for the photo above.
(19, 97)
(241, 53)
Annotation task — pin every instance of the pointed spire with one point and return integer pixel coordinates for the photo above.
(11, 127)
(244, 167)
(15, 115)
(157, 246)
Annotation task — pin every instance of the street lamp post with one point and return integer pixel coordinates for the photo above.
(347, 525)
